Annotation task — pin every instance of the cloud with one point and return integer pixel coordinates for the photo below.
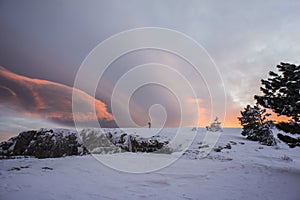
(48, 100)
(13, 122)
(246, 40)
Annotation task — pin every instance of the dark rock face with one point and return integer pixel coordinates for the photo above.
(44, 143)
(22, 142)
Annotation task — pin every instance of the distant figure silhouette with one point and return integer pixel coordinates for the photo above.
(149, 124)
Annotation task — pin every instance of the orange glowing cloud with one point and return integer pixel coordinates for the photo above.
(231, 119)
(204, 114)
(49, 100)
(6, 89)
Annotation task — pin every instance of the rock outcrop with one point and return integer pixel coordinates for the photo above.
(114, 141)
(43, 143)
(52, 143)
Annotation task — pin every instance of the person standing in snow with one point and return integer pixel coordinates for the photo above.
(149, 124)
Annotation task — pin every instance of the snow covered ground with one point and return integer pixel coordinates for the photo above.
(247, 170)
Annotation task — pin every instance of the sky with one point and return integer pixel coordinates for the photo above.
(43, 44)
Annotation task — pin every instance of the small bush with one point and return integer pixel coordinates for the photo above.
(255, 125)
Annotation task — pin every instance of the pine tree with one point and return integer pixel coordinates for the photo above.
(282, 91)
(255, 125)
(215, 126)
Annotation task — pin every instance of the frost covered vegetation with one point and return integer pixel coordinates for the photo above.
(281, 94)
(255, 125)
(215, 126)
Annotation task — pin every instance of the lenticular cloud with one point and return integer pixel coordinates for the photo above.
(49, 100)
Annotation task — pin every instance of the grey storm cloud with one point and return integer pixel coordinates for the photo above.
(246, 39)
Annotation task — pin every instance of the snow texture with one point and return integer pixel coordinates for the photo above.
(242, 169)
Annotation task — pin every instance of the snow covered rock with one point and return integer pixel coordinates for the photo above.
(43, 143)
(116, 140)
(98, 142)
(47, 143)
(50, 143)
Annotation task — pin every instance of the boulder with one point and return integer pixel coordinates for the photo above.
(43, 143)
(113, 141)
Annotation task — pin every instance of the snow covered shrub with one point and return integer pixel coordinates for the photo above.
(215, 126)
(255, 125)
